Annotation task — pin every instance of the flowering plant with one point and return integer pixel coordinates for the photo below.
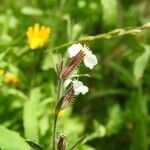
(76, 53)
(47, 66)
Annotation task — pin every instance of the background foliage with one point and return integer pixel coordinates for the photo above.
(114, 114)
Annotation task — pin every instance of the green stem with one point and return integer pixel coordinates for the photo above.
(140, 138)
(54, 131)
(143, 118)
(59, 93)
(108, 35)
(59, 90)
(80, 141)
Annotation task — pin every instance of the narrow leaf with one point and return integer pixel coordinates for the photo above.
(11, 140)
(109, 8)
(79, 142)
(35, 145)
(30, 115)
(123, 73)
(115, 120)
(140, 63)
(2, 55)
(31, 11)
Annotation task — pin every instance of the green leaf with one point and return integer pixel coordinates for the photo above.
(31, 11)
(30, 116)
(11, 140)
(50, 61)
(109, 8)
(18, 93)
(115, 120)
(140, 63)
(123, 73)
(2, 55)
(79, 142)
(35, 145)
(85, 147)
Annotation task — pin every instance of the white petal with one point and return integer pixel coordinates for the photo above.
(85, 89)
(90, 60)
(67, 82)
(74, 49)
(77, 92)
(79, 87)
(77, 84)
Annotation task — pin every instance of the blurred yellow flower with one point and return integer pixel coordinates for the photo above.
(130, 126)
(1, 71)
(37, 36)
(61, 114)
(11, 79)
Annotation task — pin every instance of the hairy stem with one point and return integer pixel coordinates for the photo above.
(59, 92)
(54, 131)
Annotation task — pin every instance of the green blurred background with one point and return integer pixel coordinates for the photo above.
(115, 113)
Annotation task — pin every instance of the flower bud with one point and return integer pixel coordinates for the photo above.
(75, 89)
(77, 53)
(68, 97)
(61, 144)
(75, 61)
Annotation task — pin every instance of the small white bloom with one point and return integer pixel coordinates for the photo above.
(89, 59)
(78, 86)
(74, 49)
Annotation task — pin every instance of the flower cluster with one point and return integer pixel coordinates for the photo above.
(76, 53)
(76, 88)
(89, 59)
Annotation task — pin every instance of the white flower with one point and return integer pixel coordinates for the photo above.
(78, 87)
(74, 49)
(89, 59)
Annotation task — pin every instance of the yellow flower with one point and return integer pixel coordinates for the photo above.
(61, 114)
(11, 79)
(1, 71)
(37, 36)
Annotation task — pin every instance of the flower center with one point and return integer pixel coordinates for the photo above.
(85, 49)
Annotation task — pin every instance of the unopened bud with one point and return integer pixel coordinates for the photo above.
(68, 97)
(61, 144)
(75, 61)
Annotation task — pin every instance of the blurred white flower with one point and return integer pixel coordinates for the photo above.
(74, 49)
(78, 86)
(90, 60)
